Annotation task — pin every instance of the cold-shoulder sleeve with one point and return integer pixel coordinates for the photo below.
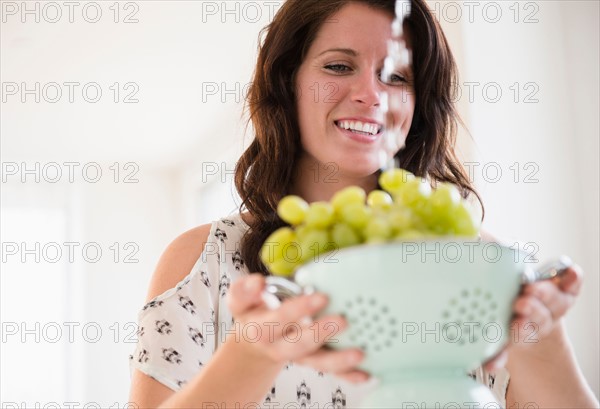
(177, 329)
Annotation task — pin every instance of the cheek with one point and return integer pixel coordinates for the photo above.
(315, 104)
(305, 108)
(408, 113)
(404, 112)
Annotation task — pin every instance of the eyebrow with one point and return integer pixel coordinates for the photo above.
(348, 51)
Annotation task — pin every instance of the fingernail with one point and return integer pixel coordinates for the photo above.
(317, 300)
(354, 358)
(251, 284)
(306, 321)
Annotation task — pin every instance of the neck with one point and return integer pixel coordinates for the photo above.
(319, 182)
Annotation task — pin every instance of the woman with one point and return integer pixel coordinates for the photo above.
(207, 340)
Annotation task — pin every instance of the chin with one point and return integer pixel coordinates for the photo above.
(360, 169)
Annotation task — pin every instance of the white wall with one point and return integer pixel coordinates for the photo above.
(556, 137)
(107, 294)
(147, 215)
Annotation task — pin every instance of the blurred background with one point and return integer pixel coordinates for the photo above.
(121, 123)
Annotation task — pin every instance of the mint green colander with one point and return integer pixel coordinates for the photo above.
(425, 313)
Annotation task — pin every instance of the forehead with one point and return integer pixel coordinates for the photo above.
(357, 26)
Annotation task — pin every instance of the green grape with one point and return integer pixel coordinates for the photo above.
(411, 234)
(319, 215)
(379, 199)
(292, 252)
(282, 268)
(347, 196)
(356, 215)
(272, 248)
(463, 221)
(393, 180)
(313, 243)
(344, 235)
(378, 230)
(302, 231)
(414, 194)
(292, 209)
(445, 197)
(400, 218)
(408, 209)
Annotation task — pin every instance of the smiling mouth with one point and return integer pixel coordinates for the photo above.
(360, 128)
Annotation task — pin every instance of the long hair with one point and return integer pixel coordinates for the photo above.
(265, 171)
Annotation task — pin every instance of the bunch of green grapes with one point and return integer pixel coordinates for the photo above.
(407, 209)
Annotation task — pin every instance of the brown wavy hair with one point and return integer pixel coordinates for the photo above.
(265, 171)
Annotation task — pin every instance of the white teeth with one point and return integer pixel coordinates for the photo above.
(373, 129)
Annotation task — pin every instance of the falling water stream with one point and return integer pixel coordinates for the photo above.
(398, 58)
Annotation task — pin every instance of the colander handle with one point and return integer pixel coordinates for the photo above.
(278, 288)
(547, 271)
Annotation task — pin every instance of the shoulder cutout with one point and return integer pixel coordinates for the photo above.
(178, 260)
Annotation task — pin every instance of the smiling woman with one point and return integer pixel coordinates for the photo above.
(206, 337)
(345, 127)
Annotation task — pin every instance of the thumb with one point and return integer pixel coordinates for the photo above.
(572, 280)
(245, 293)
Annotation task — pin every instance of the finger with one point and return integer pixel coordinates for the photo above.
(244, 294)
(571, 280)
(557, 301)
(355, 376)
(333, 361)
(298, 310)
(535, 323)
(299, 341)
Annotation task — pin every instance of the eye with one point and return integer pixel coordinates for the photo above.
(395, 79)
(338, 68)
(398, 78)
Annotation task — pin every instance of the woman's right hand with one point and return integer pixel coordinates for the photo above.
(302, 342)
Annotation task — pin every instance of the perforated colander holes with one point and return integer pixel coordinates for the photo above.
(468, 306)
(370, 325)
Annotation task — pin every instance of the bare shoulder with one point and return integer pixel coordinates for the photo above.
(174, 265)
(178, 259)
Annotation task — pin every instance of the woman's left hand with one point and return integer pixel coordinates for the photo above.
(538, 310)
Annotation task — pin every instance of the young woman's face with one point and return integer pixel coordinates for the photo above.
(339, 87)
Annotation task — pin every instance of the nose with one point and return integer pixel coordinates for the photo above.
(366, 90)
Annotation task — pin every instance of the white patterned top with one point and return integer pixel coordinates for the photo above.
(180, 330)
